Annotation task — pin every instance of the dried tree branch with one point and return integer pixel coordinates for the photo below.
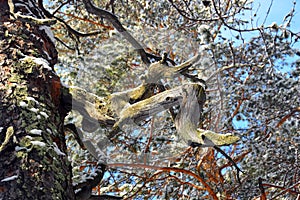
(150, 106)
(159, 70)
(86, 104)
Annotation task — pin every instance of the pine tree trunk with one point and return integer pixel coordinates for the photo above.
(33, 160)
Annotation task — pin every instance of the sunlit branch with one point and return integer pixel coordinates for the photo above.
(169, 169)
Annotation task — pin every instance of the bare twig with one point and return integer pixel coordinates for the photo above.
(268, 12)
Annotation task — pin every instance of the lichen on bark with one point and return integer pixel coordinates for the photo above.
(31, 117)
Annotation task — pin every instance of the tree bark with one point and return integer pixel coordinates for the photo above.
(33, 159)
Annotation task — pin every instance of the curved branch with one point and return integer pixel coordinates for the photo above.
(159, 71)
(231, 161)
(183, 14)
(116, 23)
(64, 44)
(170, 169)
(76, 133)
(70, 29)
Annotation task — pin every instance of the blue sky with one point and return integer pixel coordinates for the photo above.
(279, 9)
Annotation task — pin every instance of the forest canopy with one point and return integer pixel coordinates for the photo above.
(179, 99)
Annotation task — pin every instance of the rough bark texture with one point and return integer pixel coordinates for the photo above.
(33, 161)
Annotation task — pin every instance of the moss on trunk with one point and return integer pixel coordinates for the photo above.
(33, 163)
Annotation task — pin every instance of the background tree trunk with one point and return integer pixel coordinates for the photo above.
(33, 159)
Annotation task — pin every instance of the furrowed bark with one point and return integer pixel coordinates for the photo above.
(33, 160)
